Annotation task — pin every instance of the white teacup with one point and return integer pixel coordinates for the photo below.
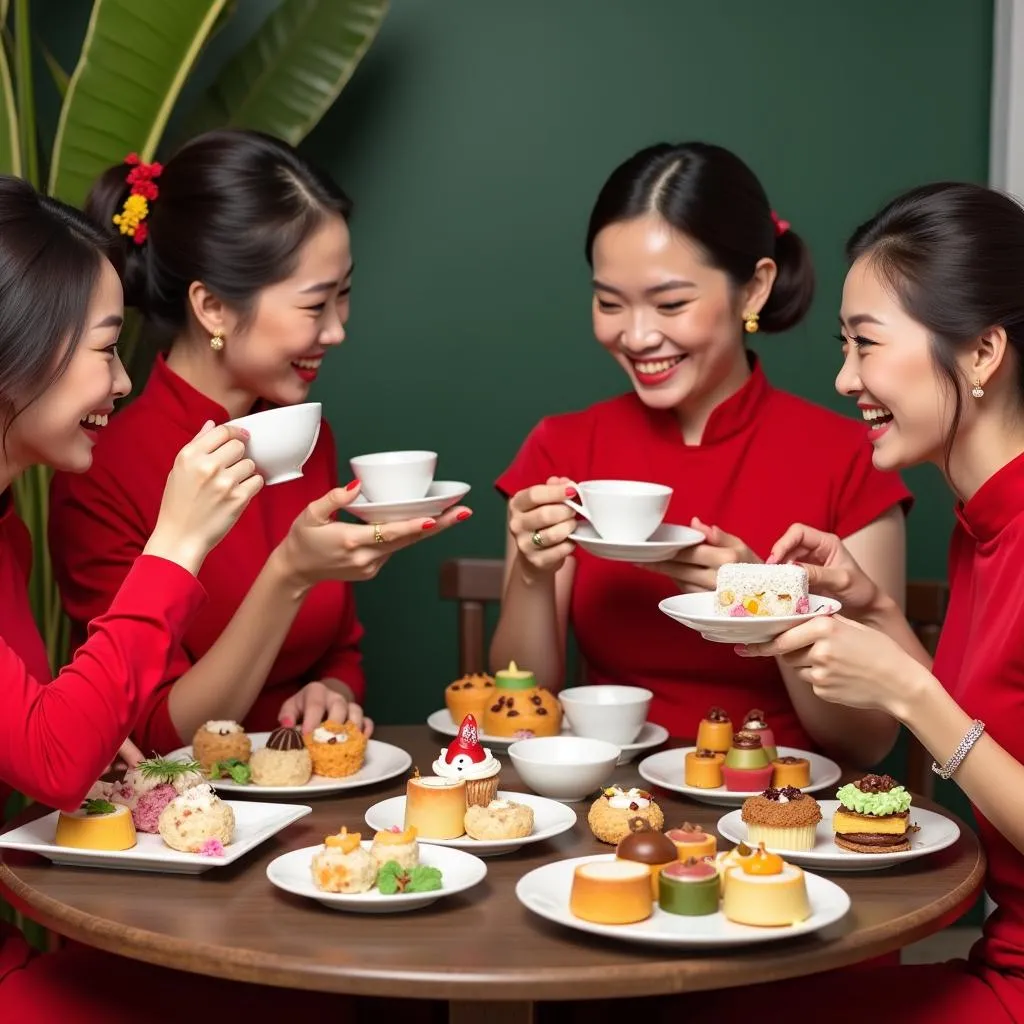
(607, 712)
(395, 476)
(624, 511)
(281, 440)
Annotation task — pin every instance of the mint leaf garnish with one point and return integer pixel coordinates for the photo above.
(424, 879)
(390, 878)
(98, 807)
(237, 770)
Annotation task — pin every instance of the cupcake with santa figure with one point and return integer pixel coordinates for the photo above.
(464, 758)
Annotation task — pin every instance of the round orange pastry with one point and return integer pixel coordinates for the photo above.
(336, 750)
(791, 771)
(520, 708)
(471, 695)
(703, 769)
(692, 841)
(715, 731)
(611, 892)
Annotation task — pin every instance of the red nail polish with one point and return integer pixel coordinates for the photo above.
(429, 524)
(464, 514)
(351, 485)
(570, 492)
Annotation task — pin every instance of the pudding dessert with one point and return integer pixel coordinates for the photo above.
(715, 731)
(500, 819)
(703, 769)
(520, 708)
(470, 695)
(151, 785)
(754, 721)
(96, 825)
(791, 771)
(611, 813)
(766, 891)
(343, 865)
(645, 846)
(220, 741)
(611, 892)
(396, 845)
(692, 841)
(731, 859)
(336, 750)
(743, 589)
(782, 819)
(746, 768)
(689, 887)
(465, 759)
(284, 761)
(198, 821)
(435, 807)
(872, 816)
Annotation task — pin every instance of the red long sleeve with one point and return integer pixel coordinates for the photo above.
(57, 738)
(344, 660)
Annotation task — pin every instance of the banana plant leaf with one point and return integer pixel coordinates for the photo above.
(133, 63)
(10, 145)
(287, 76)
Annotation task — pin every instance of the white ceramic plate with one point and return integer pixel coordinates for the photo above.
(651, 736)
(698, 612)
(459, 871)
(383, 761)
(667, 769)
(550, 818)
(545, 891)
(254, 823)
(663, 544)
(936, 833)
(441, 495)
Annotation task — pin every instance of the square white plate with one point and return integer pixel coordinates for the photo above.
(254, 823)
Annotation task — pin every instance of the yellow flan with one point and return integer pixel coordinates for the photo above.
(96, 825)
(611, 892)
(436, 807)
(766, 891)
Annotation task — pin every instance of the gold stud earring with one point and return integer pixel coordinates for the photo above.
(978, 391)
(750, 323)
(217, 341)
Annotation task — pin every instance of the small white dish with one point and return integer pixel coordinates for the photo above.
(651, 736)
(936, 833)
(394, 476)
(281, 439)
(546, 890)
(383, 761)
(254, 823)
(666, 542)
(459, 871)
(606, 711)
(550, 819)
(441, 495)
(698, 612)
(667, 770)
(564, 768)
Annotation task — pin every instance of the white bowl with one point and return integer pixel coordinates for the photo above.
(607, 712)
(280, 440)
(566, 768)
(395, 476)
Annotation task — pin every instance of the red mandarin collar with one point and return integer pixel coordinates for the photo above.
(181, 402)
(996, 503)
(728, 418)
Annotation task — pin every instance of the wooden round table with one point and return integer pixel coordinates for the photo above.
(479, 947)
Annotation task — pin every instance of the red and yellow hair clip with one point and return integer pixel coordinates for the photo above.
(143, 190)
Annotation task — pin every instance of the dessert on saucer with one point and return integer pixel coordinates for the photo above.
(97, 825)
(500, 819)
(644, 845)
(715, 731)
(345, 865)
(611, 814)
(520, 708)
(611, 892)
(873, 816)
(337, 749)
(284, 761)
(220, 741)
(747, 767)
(703, 769)
(782, 819)
(764, 890)
(464, 758)
(473, 694)
(745, 589)
(198, 821)
(755, 721)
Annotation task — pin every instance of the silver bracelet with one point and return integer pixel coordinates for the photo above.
(948, 770)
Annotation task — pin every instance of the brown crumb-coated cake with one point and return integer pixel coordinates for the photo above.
(470, 695)
(782, 819)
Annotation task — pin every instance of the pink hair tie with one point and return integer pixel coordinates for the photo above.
(781, 226)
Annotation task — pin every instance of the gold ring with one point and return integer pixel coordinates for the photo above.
(378, 536)
(537, 539)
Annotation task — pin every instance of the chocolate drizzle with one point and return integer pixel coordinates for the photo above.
(285, 739)
(745, 740)
(705, 754)
(789, 792)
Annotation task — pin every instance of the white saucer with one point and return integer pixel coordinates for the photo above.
(546, 889)
(664, 543)
(459, 871)
(936, 833)
(698, 612)
(441, 495)
(383, 761)
(667, 769)
(651, 736)
(550, 818)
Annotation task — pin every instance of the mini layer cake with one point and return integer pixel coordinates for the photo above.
(703, 769)
(791, 771)
(747, 768)
(337, 749)
(645, 846)
(755, 721)
(398, 845)
(715, 731)
(520, 707)
(689, 888)
(872, 816)
(470, 695)
(611, 892)
(744, 589)
(766, 891)
(782, 819)
(610, 814)
(96, 825)
(435, 807)
(692, 841)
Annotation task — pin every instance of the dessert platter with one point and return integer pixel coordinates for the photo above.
(727, 767)
(162, 816)
(751, 604)
(392, 872)
(871, 825)
(286, 763)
